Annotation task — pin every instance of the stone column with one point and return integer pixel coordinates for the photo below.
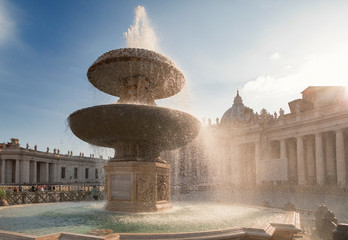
(81, 174)
(300, 162)
(247, 169)
(319, 159)
(340, 160)
(51, 174)
(257, 162)
(242, 165)
(3, 171)
(68, 172)
(9, 171)
(330, 159)
(17, 172)
(311, 160)
(33, 172)
(237, 163)
(92, 173)
(25, 171)
(292, 161)
(47, 172)
(55, 172)
(252, 164)
(283, 148)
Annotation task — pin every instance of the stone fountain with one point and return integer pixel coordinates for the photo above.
(137, 179)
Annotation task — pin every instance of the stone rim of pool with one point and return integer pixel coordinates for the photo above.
(289, 225)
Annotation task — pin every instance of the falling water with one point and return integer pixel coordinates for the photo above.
(141, 33)
(199, 165)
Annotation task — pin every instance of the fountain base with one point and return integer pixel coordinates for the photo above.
(133, 186)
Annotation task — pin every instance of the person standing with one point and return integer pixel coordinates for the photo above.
(95, 193)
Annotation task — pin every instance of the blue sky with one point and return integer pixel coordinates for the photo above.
(269, 50)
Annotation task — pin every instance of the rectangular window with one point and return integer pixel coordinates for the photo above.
(63, 172)
(86, 173)
(75, 173)
(96, 173)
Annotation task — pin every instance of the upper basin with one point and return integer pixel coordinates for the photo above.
(117, 72)
(106, 125)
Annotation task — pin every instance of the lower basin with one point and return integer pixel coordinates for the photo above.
(83, 217)
(106, 125)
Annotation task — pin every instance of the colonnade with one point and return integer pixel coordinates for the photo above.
(18, 171)
(28, 172)
(315, 159)
(301, 158)
(310, 159)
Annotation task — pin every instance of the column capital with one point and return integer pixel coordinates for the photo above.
(339, 131)
(319, 134)
(257, 144)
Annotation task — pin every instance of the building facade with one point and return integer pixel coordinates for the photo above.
(308, 146)
(20, 165)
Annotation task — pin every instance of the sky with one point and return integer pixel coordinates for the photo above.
(269, 50)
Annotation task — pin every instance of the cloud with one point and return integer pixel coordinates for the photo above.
(314, 52)
(321, 69)
(275, 56)
(7, 25)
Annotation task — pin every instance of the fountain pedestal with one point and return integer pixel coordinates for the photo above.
(133, 186)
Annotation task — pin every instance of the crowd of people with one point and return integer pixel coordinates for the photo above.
(48, 188)
(33, 188)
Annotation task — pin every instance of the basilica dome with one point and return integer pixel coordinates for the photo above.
(236, 113)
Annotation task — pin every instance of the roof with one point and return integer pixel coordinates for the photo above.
(236, 112)
(320, 88)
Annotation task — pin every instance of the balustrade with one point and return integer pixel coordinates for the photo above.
(46, 197)
(62, 193)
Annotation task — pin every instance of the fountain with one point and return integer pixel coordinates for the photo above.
(137, 179)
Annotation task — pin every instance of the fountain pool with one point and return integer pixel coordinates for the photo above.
(83, 217)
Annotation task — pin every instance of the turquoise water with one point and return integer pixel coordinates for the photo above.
(82, 217)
